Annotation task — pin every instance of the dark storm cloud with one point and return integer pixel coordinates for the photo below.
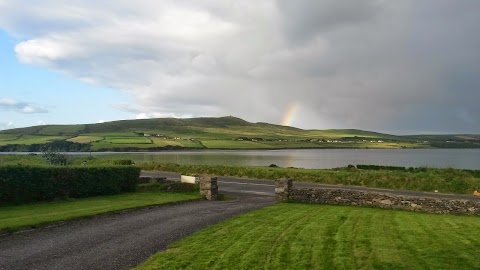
(393, 66)
(305, 19)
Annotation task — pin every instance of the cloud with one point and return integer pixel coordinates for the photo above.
(395, 66)
(9, 104)
(6, 125)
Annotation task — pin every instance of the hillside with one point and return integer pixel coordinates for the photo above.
(211, 133)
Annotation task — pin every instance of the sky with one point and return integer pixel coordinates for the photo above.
(401, 67)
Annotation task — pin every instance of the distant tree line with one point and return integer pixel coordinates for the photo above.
(64, 146)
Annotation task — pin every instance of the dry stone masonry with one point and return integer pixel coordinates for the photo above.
(374, 199)
(282, 189)
(209, 187)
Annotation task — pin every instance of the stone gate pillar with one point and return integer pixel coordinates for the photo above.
(282, 189)
(209, 187)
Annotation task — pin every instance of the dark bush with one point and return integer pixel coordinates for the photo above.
(21, 184)
(379, 167)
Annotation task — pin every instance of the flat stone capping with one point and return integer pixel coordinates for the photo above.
(379, 200)
(189, 179)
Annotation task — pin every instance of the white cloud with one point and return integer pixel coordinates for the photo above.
(7, 125)
(371, 64)
(160, 115)
(10, 104)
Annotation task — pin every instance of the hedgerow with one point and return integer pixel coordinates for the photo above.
(21, 184)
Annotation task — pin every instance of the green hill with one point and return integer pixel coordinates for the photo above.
(211, 133)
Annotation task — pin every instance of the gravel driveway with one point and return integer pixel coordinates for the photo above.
(119, 240)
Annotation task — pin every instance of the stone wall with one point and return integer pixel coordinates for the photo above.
(209, 187)
(381, 200)
(282, 189)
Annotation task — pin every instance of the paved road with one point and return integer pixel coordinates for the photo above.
(117, 241)
(267, 187)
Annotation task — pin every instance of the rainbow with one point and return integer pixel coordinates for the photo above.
(290, 114)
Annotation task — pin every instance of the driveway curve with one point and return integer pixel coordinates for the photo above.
(120, 240)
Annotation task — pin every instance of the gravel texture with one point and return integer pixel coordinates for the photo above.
(120, 240)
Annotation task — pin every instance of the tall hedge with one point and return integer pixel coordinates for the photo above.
(20, 184)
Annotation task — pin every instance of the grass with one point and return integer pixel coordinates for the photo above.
(105, 146)
(8, 137)
(300, 236)
(443, 180)
(61, 130)
(37, 214)
(182, 143)
(231, 144)
(293, 144)
(22, 159)
(128, 140)
(85, 139)
(32, 139)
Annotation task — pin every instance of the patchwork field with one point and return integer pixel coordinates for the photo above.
(86, 139)
(219, 133)
(300, 236)
(128, 140)
(231, 144)
(32, 139)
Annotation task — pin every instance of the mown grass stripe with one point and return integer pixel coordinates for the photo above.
(301, 236)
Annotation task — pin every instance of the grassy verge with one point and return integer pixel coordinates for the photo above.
(33, 215)
(443, 180)
(300, 236)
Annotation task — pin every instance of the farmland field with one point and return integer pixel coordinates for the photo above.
(103, 145)
(32, 139)
(231, 144)
(301, 236)
(61, 130)
(219, 133)
(85, 139)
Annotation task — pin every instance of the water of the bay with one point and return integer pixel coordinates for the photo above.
(318, 158)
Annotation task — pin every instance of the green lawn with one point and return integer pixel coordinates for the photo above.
(31, 215)
(301, 236)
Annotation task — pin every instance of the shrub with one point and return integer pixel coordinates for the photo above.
(21, 184)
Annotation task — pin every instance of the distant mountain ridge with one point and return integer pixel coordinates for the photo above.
(219, 133)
